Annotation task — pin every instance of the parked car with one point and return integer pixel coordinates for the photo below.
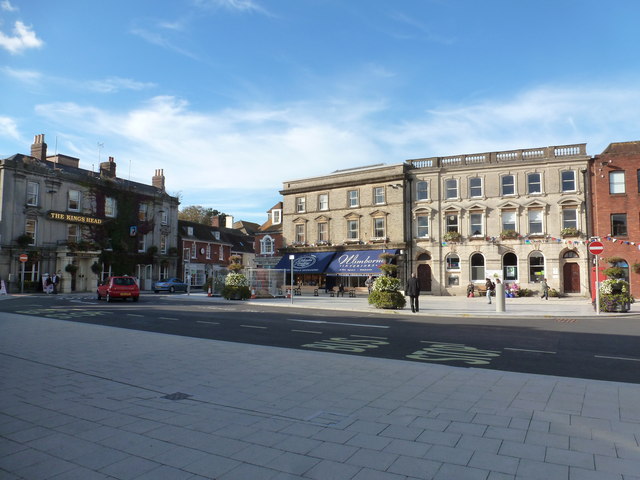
(119, 287)
(170, 285)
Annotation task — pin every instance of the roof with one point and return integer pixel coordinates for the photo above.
(622, 148)
(236, 239)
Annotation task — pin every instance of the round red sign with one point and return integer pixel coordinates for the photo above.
(24, 257)
(596, 248)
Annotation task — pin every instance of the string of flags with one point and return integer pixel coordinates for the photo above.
(530, 241)
(622, 242)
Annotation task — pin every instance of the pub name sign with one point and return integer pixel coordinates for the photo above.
(70, 217)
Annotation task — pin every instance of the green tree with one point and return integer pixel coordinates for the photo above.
(199, 214)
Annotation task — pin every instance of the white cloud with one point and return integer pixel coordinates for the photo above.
(248, 6)
(6, 6)
(23, 39)
(25, 76)
(9, 129)
(115, 84)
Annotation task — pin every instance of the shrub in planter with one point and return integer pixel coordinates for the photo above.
(385, 293)
(525, 292)
(615, 295)
(236, 287)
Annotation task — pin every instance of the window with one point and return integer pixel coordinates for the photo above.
(378, 195)
(276, 216)
(300, 204)
(422, 190)
(625, 268)
(352, 198)
(163, 244)
(216, 235)
(73, 233)
(378, 227)
(451, 188)
(266, 245)
(638, 175)
(142, 241)
(32, 193)
(507, 185)
(619, 224)
(452, 223)
(73, 203)
(477, 267)
(475, 187)
(31, 229)
(535, 222)
(616, 182)
(164, 217)
(510, 267)
(509, 220)
(193, 250)
(300, 233)
(352, 230)
(536, 267)
(534, 183)
(453, 262)
(164, 271)
(570, 218)
(568, 181)
(476, 224)
(143, 209)
(221, 253)
(323, 232)
(422, 226)
(110, 207)
(323, 201)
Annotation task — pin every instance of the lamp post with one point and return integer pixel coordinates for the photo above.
(291, 257)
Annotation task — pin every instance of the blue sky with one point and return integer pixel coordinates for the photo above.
(233, 97)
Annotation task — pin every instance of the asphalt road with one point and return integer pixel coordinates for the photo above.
(581, 348)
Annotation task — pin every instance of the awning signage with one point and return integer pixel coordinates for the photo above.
(358, 262)
(315, 262)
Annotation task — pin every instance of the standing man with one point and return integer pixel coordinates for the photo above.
(545, 289)
(55, 280)
(413, 290)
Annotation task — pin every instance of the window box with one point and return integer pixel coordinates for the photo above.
(508, 235)
(570, 232)
(452, 237)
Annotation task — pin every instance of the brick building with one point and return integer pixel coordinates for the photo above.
(615, 207)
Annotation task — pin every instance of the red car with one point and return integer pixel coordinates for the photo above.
(119, 287)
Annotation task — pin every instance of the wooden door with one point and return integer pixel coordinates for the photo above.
(571, 280)
(424, 277)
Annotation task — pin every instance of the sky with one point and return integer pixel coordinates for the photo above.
(232, 98)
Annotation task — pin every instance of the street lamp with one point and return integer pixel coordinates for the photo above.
(291, 257)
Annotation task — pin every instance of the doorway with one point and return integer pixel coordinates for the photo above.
(424, 277)
(571, 277)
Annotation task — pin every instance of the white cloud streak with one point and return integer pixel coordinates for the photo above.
(23, 39)
(115, 84)
(6, 6)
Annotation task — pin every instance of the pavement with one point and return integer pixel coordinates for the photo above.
(82, 401)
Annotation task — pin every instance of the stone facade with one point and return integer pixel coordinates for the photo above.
(516, 215)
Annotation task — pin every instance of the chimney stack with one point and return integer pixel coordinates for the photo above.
(108, 169)
(39, 148)
(229, 221)
(158, 180)
(215, 221)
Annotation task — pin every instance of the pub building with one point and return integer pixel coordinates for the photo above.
(80, 224)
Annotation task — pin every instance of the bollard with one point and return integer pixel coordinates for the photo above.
(500, 297)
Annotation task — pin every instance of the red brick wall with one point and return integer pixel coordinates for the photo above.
(604, 203)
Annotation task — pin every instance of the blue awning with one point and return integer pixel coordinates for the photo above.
(314, 262)
(358, 262)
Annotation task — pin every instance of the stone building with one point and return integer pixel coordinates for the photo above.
(615, 206)
(81, 224)
(337, 225)
(516, 215)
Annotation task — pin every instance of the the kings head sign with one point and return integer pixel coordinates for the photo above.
(74, 218)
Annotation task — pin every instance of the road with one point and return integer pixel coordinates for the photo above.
(581, 348)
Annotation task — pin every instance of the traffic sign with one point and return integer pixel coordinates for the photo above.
(24, 257)
(596, 248)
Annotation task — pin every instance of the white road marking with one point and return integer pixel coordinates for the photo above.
(618, 358)
(134, 315)
(253, 326)
(167, 318)
(527, 350)
(210, 323)
(369, 336)
(338, 323)
(307, 331)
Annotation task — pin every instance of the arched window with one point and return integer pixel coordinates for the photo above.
(477, 267)
(423, 257)
(453, 262)
(510, 267)
(570, 254)
(536, 267)
(266, 246)
(624, 266)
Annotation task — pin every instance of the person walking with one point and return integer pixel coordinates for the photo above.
(490, 286)
(413, 290)
(545, 289)
(55, 280)
(369, 283)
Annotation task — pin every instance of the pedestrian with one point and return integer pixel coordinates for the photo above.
(545, 289)
(340, 289)
(369, 283)
(55, 280)
(490, 286)
(413, 290)
(48, 284)
(471, 290)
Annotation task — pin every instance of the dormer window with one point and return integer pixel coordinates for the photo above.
(276, 217)
(190, 231)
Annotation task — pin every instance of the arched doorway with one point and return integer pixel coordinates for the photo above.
(571, 274)
(424, 277)
(510, 267)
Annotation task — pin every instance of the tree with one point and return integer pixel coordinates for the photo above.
(199, 214)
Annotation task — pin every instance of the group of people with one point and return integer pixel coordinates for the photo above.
(51, 283)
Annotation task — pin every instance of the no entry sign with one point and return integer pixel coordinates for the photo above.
(23, 257)
(596, 248)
